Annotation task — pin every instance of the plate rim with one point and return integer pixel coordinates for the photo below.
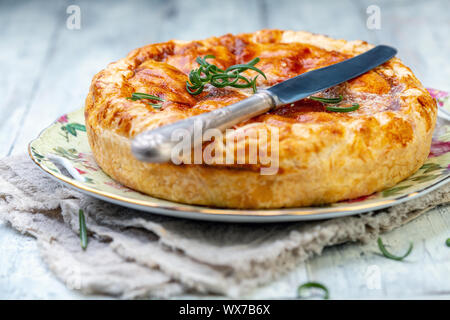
(226, 214)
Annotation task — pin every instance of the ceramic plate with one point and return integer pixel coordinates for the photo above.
(62, 151)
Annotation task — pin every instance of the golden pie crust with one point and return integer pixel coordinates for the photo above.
(324, 156)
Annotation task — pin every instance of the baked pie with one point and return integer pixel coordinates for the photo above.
(323, 156)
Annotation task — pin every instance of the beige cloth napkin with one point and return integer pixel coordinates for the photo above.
(133, 254)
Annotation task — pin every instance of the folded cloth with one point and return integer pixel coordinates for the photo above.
(136, 254)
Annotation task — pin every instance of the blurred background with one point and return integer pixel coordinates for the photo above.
(50, 50)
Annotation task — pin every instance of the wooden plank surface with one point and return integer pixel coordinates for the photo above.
(47, 70)
(23, 57)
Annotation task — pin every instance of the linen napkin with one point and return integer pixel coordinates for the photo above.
(133, 254)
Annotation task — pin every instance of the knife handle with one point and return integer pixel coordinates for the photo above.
(156, 145)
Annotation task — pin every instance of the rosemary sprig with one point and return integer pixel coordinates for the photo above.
(447, 242)
(83, 230)
(308, 285)
(212, 74)
(248, 66)
(389, 255)
(139, 95)
(327, 100)
(354, 107)
(337, 100)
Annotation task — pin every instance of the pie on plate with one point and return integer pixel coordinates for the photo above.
(323, 156)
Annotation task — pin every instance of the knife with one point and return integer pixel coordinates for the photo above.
(156, 145)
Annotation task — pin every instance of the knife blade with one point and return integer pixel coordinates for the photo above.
(157, 145)
(308, 83)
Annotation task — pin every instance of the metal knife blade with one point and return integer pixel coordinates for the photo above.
(308, 83)
(157, 145)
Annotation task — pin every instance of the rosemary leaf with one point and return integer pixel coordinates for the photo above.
(83, 231)
(389, 255)
(327, 100)
(139, 95)
(354, 107)
(304, 287)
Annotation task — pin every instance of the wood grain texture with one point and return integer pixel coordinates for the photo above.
(23, 57)
(47, 71)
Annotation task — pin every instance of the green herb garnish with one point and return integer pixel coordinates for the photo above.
(83, 231)
(337, 100)
(447, 242)
(354, 107)
(327, 100)
(219, 78)
(389, 255)
(139, 95)
(308, 285)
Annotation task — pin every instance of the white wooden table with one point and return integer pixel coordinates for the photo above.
(46, 70)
